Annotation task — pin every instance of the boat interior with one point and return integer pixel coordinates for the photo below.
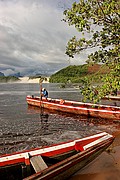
(37, 163)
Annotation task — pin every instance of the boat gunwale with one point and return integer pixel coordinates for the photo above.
(115, 110)
(37, 98)
(73, 160)
(22, 156)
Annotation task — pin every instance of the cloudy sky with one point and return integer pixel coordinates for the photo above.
(33, 37)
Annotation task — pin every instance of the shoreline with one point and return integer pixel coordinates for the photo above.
(25, 80)
(35, 80)
(104, 167)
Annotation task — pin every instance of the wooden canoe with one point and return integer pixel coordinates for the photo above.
(110, 97)
(88, 109)
(57, 161)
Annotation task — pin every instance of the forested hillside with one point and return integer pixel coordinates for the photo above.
(76, 74)
(5, 79)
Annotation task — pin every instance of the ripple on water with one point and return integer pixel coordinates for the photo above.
(31, 133)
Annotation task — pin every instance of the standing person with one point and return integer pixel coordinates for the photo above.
(44, 93)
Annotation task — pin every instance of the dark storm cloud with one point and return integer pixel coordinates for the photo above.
(32, 35)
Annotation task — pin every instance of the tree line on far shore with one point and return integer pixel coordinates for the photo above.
(77, 74)
(5, 79)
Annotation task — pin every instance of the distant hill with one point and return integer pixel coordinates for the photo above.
(5, 79)
(76, 74)
(16, 75)
(2, 74)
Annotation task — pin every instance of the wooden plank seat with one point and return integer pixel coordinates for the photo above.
(38, 163)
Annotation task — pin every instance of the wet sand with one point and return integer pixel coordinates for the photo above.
(104, 167)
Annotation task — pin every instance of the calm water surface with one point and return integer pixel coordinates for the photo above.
(22, 127)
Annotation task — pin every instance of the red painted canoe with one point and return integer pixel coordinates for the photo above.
(88, 109)
(57, 161)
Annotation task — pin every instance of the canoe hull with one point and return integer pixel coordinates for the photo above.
(87, 109)
(62, 159)
(70, 166)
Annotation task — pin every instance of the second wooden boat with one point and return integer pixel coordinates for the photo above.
(110, 97)
(88, 109)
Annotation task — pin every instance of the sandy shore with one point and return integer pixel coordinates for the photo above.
(104, 167)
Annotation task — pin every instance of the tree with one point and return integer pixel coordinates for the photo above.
(100, 19)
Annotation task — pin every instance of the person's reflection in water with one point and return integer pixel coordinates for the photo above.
(44, 121)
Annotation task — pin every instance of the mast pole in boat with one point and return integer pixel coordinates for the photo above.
(40, 82)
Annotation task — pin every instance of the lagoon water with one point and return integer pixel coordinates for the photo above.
(22, 127)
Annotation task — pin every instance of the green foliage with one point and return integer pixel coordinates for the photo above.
(78, 74)
(70, 73)
(101, 20)
(4, 79)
